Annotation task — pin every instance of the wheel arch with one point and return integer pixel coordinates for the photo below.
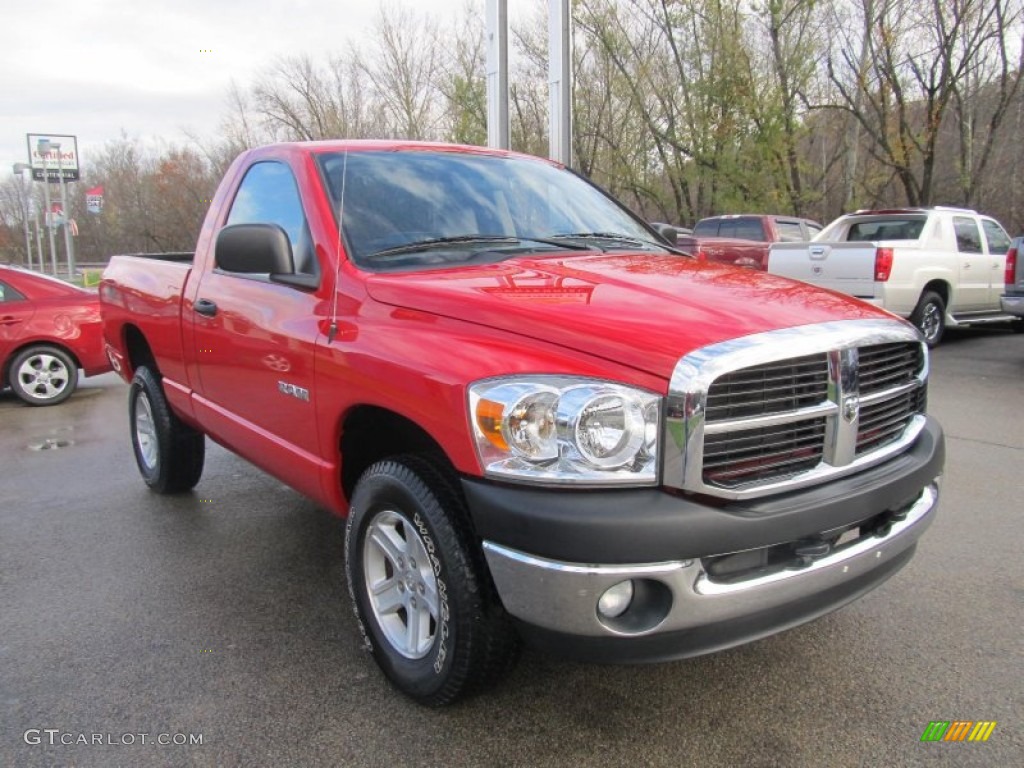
(370, 433)
(939, 286)
(137, 350)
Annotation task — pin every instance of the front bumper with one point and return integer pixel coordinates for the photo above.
(671, 548)
(556, 602)
(1012, 305)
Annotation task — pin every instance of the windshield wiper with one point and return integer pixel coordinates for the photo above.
(426, 245)
(603, 236)
(618, 237)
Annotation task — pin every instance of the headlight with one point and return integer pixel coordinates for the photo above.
(563, 429)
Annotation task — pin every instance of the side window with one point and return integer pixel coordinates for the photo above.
(968, 240)
(8, 293)
(269, 195)
(813, 230)
(744, 229)
(790, 231)
(706, 228)
(998, 241)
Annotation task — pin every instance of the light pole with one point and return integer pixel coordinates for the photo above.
(19, 170)
(44, 150)
(69, 249)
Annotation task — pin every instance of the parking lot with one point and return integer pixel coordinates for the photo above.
(222, 617)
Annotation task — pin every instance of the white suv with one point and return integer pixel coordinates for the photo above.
(937, 266)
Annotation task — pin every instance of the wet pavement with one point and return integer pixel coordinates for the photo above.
(222, 617)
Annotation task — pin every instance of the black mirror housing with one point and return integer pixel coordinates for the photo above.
(667, 231)
(254, 249)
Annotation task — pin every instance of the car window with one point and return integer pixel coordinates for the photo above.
(813, 230)
(269, 195)
(997, 239)
(707, 228)
(397, 200)
(888, 228)
(8, 293)
(743, 228)
(968, 240)
(790, 231)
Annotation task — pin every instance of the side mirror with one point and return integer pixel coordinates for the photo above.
(254, 249)
(667, 231)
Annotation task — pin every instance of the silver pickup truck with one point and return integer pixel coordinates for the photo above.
(1012, 302)
(939, 267)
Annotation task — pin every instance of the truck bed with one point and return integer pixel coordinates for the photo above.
(150, 286)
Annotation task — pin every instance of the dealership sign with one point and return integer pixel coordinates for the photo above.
(56, 163)
(94, 200)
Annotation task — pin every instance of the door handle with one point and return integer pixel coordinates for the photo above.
(205, 307)
(9, 320)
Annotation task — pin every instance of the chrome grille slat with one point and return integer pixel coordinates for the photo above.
(760, 442)
(770, 388)
(885, 421)
(888, 365)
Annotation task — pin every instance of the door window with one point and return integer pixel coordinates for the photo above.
(998, 240)
(269, 195)
(706, 228)
(743, 229)
(790, 231)
(968, 240)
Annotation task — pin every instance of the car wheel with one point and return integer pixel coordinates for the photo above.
(169, 453)
(426, 606)
(43, 375)
(930, 317)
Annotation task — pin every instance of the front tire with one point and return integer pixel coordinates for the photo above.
(43, 375)
(930, 317)
(169, 453)
(426, 606)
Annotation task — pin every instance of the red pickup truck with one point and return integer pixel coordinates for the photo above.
(743, 240)
(540, 421)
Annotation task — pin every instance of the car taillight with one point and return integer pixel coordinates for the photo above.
(883, 264)
(1010, 276)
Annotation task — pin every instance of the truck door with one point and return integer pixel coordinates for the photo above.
(997, 243)
(255, 339)
(972, 293)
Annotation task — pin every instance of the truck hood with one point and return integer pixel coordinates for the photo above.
(639, 309)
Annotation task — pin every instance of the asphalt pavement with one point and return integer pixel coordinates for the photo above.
(219, 623)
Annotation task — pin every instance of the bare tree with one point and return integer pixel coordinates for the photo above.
(919, 57)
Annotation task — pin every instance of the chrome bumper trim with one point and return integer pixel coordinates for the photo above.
(563, 596)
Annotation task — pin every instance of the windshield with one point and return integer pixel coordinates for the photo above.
(420, 209)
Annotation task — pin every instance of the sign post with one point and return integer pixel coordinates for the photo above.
(44, 153)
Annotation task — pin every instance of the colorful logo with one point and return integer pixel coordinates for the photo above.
(958, 730)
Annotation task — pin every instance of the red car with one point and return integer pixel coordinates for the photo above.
(49, 330)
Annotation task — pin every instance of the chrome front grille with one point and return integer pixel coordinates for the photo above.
(884, 366)
(783, 386)
(791, 408)
(733, 459)
(883, 422)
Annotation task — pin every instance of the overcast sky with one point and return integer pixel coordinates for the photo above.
(93, 68)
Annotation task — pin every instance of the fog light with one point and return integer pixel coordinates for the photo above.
(616, 600)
